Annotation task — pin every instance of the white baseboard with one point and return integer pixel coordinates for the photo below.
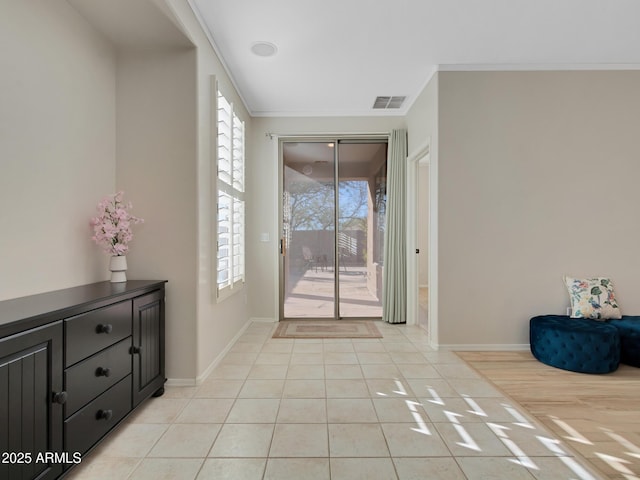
(501, 347)
(263, 320)
(191, 382)
(180, 382)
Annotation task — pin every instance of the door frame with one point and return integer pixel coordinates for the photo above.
(317, 138)
(281, 255)
(423, 155)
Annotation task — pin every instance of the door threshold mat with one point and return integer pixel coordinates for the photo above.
(327, 329)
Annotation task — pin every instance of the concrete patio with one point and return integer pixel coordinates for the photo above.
(312, 295)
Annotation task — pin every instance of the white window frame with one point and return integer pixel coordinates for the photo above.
(230, 183)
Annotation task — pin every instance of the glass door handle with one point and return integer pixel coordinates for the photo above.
(282, 247)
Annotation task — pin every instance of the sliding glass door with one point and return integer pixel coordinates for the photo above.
(332, 228)
(308, 230)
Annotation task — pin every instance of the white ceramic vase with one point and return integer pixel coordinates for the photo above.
(118, 267)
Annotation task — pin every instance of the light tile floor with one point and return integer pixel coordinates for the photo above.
(390, 408)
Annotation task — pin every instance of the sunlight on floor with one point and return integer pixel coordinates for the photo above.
(389, 408)
(615, 462)
(595, 416)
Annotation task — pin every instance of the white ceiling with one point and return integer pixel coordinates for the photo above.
(335, 56)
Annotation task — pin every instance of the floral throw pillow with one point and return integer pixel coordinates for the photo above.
(592, 298)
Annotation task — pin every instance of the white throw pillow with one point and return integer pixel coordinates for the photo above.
(592, 298)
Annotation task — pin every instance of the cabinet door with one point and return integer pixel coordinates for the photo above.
(30, 410)
(148, 345)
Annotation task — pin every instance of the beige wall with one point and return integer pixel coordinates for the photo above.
(534, 172)
(57, 146)
(422, 120)
(263, 194)
(537, 179)
(217, 323)
(165, 116)
(112, 96)
(156, 167)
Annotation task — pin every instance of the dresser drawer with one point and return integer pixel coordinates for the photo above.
(93, 331)
(90, 423)
(89, 378)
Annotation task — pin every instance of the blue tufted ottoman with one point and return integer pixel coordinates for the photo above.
(629, 328)
(575, 344)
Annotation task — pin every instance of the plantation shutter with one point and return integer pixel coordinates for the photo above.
(231, 207)
(238, 201)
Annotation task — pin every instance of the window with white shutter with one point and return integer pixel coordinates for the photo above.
(230, 205)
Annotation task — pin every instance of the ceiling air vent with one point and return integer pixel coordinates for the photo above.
(388, 102)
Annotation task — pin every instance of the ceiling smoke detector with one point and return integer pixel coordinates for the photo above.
(388, 102)
(264, 49)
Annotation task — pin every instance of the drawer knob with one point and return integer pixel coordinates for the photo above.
(59, 397)
(135, 349)
(103, 372)
(104, 328)
(104, 415)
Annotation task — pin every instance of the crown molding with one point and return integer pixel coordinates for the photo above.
(506, 67)
(341, 113)
(205, 29)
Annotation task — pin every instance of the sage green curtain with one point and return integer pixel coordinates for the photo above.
(394, 281)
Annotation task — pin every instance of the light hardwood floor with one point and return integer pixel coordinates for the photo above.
(596, 415)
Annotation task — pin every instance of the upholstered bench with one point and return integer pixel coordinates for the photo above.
(629, 329)
(575, 344)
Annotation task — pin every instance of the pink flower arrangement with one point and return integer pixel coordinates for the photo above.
(112, 226)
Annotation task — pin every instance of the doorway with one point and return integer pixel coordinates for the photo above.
(422, 242)
(332, 224)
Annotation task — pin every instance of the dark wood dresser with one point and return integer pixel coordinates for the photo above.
(73, 364)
